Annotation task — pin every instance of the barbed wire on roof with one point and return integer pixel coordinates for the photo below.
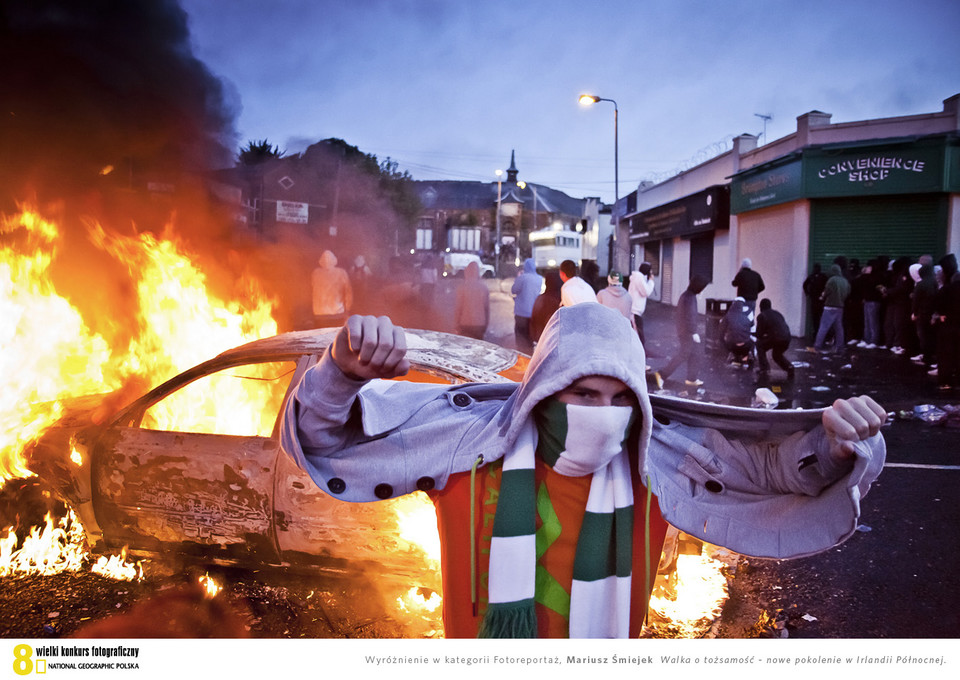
(708, 152)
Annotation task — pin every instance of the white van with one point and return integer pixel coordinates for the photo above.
(455, 263)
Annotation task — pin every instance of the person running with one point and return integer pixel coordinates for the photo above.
(688, 333)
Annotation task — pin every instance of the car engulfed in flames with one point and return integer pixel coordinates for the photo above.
(159, 478)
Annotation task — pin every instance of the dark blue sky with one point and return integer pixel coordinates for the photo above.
(449, 88)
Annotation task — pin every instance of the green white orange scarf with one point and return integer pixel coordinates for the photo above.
(575, 441)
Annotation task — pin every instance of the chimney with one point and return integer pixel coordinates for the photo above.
(810, 120)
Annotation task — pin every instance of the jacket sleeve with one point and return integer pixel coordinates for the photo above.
(371, 440)
(779, 498)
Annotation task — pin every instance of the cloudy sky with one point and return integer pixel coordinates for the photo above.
(448, 88)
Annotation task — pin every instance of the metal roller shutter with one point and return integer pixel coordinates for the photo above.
(862, 228)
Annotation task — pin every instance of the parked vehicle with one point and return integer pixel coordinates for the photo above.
(551, 247)
(455, 263)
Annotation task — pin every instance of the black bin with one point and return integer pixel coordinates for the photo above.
(712, 342)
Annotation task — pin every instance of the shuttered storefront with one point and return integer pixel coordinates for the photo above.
(865, 227)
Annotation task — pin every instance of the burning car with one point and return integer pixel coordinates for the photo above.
(193, 467)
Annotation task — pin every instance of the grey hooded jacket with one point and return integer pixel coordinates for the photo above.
(761, 483)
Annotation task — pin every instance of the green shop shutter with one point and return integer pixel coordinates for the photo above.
(863, 228)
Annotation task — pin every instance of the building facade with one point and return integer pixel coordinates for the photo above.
(883, 187)
(465, 216)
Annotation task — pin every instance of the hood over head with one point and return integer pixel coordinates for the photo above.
(472, 272)
(835, 270)
(578, 341)
(529, 266)
(328, 260)
(949, 265)
(915, 272)
(697, 283)
(552, 284)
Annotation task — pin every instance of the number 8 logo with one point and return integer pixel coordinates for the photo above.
(22, 664)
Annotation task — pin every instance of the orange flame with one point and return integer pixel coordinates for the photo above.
(417, 602)
(210, 587)
(417, 524)
(117, 567)
(48, 352)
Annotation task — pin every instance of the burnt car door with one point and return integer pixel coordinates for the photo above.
(190, 469)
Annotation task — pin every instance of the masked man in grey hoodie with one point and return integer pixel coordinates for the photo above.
(552, 494)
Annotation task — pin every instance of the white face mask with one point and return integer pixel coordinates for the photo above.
(579, 440)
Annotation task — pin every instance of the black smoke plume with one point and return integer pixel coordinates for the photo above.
(104, 88)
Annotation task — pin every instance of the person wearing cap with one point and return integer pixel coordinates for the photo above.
(615, 296)
(749, 284)
(553, 494)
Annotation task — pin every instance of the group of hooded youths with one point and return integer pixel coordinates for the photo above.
(908, 306)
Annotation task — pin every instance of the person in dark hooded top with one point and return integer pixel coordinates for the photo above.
(687, 322)
(923, 302)
(553, 494)
(471, 312)
(834, 296)
(948, 324)
(546, 304)
(525, 289)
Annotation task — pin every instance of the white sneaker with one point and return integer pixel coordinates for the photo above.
(870, 345)
(695, 383)
(852, 342)
(918, 358)
(861, 344)
(932, 372)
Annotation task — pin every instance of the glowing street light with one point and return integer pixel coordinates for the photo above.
(590, 100)
(496, 246)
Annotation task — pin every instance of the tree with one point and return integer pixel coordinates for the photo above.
(397, 187)
(258, 152)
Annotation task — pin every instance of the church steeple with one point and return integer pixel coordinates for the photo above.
(512, 170)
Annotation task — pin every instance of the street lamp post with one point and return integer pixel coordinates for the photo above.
(589, 99)
(496, 245)
(533, 226)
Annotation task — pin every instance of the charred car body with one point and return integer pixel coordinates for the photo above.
(219, 491)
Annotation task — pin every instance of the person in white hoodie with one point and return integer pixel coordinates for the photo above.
(553, 494)
(574, 289)
(641, 287)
